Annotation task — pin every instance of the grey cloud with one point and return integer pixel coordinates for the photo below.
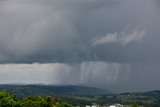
(42, 28)
(60, 31)
(45, 28)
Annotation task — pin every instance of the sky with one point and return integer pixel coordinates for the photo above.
(110, 44)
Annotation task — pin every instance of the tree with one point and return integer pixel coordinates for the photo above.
(8, 100)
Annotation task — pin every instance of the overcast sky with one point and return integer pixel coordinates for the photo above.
(103, 43)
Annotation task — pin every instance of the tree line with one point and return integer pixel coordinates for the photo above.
(9, 100)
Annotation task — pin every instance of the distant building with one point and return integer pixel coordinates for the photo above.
(92, 106)
(116, 105)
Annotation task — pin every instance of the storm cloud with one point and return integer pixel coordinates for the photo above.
(61, 31)
(114, 38)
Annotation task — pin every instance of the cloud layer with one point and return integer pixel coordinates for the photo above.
(61, 31)
(83, 39)
(58, 73)
(110, 76)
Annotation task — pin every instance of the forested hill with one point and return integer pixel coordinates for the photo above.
(22, 91)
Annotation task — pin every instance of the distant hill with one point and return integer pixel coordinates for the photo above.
(150, 97)
(145, 99)
(22, 91)
(82, 95)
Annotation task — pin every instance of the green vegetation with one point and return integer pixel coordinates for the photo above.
(71, 96)
(9, 100)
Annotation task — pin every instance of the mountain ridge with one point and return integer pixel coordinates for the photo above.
(24, 90)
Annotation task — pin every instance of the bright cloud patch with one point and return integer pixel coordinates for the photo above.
(125, 37)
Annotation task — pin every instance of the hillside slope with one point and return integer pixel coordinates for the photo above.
(51, 90)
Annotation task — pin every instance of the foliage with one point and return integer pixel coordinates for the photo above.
(32, 97)
(9, 100)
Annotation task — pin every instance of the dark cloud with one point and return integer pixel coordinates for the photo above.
(61, 31)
